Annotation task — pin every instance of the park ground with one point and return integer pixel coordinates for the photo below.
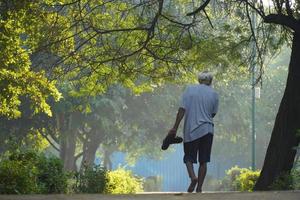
(273, 195)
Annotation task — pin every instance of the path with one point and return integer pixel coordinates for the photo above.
(282, 195)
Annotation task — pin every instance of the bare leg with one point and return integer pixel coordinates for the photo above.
(193, 177)
(201, 176)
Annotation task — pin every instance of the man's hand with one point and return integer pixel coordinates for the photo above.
(172, 131)
(179, 117)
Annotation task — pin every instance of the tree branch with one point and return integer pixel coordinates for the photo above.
(283, 20)
(177, 22)
(288, 8)
(64, 4)
(254, 36)
(50, 142)
(202, 7)
(260, 11)
(279, 6)
(150, 34)
(208, 18)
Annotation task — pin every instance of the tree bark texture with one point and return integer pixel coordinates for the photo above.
(90, 147)
(285, 135)
(67, 142)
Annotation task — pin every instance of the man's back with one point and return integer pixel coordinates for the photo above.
(200, 103)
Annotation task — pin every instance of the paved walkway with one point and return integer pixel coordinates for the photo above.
(282, 195)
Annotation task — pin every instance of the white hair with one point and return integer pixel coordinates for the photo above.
(205, 76)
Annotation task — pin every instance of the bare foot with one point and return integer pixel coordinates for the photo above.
(192, 185)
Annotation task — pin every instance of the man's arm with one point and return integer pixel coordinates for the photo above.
(179, 117)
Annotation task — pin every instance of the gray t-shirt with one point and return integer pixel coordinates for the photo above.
(200, 102)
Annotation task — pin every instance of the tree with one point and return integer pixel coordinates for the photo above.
(143, 44)
(92, 45)
(17, 79)
(233, 119)
(285, 135)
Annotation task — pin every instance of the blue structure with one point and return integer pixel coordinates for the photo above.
(173, 171)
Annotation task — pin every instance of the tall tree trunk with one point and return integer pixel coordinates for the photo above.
(68, 147)
(285, 135)
(67, 143)
(90, 147)
(89, 153)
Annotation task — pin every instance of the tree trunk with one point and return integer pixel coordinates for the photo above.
(67, 153)
(90, 147)
(89, 153)
(67, 143)
(285, 135)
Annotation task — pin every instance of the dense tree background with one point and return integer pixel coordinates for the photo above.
(78, 72)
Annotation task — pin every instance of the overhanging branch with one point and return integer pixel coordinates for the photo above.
(283, 20)
(202, 7)
(288, 8)
(208, 18)
(259, 10)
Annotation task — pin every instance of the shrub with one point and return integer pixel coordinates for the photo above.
(27, 172)
(18, 177)
(90, 179)
(122, 181)
(229, 182)
(287, 181)
(51, 177)
(296, 179)
(247, 180)
(239, 179)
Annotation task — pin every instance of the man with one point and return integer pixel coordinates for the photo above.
(199, 105)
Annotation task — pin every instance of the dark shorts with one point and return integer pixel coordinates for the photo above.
(201, 146)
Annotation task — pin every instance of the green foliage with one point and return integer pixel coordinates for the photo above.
(18, 177)
(51, 176)
(283, 182)
(247, 180)
(122, 181)
(17, 80)
(122, 42)
(239, 179)
(117, 44)
(90, 179)
(97, 180)
(103, 54)
(296, 179)
(287, 181)
(26, 172)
